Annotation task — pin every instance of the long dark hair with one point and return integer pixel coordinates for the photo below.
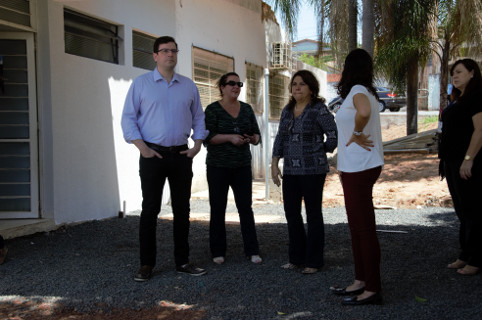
(475, 83)
(310, 79)
(222, 80)
(358, 69)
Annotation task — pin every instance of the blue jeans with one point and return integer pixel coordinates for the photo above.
(305, 247)
(240, 180)
(177, 169)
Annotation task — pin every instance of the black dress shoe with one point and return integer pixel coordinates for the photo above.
(352, 301)
(342, 291)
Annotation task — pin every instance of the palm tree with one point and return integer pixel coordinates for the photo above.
(402, 30)
(457, 25)
(343, 36)
(368, 26)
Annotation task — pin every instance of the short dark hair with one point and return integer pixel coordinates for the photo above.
(222, 80)
(310, 79)
(358, 69)
(162, 40)
(474, 85)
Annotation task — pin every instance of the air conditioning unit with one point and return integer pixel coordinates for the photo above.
(281, 57)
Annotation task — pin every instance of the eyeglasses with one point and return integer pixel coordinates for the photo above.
(165, 51)
(234, 83)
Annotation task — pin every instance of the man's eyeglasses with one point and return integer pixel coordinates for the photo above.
(234, 83)
(165, 51)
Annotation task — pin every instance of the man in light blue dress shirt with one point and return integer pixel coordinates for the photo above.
(161, 109)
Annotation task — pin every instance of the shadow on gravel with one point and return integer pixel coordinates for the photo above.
(85, 272)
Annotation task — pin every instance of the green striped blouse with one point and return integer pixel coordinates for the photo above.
(219, 121)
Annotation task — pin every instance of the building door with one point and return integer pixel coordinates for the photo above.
(18, 127)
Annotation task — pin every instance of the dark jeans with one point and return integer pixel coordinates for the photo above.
(305, 248)
(2, 242)
(240, 180)
(153, 172)
(468, 207)
(358, 190)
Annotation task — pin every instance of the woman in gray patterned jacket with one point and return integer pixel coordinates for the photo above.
(306, 132)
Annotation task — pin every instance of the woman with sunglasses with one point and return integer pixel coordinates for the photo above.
(306, 132)
(232, 128)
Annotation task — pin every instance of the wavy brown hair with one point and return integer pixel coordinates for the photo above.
(310, 79)
(474, 85)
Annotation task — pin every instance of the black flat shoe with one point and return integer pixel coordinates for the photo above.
(352, 301)
(342, 291)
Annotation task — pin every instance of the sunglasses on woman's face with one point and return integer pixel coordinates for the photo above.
(234, 83)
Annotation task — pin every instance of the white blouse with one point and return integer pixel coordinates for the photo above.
(355, 158)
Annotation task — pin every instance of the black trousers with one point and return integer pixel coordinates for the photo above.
(153, 172)
(305, 248)
(240, 180)
(468, 207)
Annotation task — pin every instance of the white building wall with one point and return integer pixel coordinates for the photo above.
(88, 171)
(234, 29)
(92, 166)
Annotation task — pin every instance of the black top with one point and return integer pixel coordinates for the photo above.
(219, 121)
(457, 129)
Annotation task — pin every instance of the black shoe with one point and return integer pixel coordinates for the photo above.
(352, 301)
(190, 269)
(342, 291)
(143, 274)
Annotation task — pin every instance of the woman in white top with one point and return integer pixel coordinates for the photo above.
(360, 161)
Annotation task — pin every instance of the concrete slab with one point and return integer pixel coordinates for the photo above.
(12, 228)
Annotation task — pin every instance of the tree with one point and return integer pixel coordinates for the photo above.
(368, 26)
(457, 25)
(403, 43)
(341, 15)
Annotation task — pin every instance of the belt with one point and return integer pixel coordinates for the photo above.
(173, 149)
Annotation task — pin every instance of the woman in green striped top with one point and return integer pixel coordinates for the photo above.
(232, 128)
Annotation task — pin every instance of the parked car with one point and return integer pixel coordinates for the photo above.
(388, 100)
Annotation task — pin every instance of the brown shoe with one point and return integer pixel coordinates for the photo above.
(3, 254)
(143, 274)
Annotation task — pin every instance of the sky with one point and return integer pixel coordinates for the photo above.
(306, 24)
(306, 28)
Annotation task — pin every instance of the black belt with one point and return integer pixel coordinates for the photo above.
(173, 149)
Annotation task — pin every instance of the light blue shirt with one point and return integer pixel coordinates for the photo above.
(163, 113)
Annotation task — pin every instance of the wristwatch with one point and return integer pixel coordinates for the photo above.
(357, 133)
(467, 157)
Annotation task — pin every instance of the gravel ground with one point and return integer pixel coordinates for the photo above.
(87, 269)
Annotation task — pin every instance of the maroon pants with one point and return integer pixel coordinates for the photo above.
(357, 189)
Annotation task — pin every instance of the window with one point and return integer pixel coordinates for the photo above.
(16, 11)
(142, 45)
(278, 95)
(90, 38)
(254, 87)
(208, 67)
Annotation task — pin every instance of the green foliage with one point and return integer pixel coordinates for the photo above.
(431, 119)
(313, 61)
